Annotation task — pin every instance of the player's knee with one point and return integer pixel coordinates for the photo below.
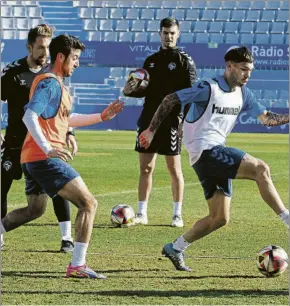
(220, 221)
(36, 211)
(262, 171)
(146, 170)
(89, 203)
(36, 206)
(176, 173)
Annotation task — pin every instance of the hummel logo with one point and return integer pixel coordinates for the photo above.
(7, 165)
(22, 82)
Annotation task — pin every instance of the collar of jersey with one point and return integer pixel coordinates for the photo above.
(222, 83)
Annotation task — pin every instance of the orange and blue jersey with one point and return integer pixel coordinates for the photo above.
(50, 99)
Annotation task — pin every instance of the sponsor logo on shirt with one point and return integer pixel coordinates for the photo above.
(171, 66)
(7, 165)
(225, 110)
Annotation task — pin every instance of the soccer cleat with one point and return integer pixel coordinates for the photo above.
(176, 257)
(83, 272)
(141, 219)
(67, 246)
(177, 221)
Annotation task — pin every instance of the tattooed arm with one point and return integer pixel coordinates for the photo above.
(271, 119)
(162, 112)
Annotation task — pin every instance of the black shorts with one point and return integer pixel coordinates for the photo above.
(165, 142)
(10, 163)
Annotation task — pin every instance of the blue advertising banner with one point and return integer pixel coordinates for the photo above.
(134, 54)
(127, 120)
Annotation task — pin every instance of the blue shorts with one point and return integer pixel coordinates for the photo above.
(47, 176)
(216, 168)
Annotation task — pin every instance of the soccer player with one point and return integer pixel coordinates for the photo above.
(170, 69)
(214, 107)
(44, 161)
(16, 80)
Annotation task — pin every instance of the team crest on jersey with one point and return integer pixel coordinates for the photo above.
(22, 82)
(7, 165)
(171, 66)
(151, 65)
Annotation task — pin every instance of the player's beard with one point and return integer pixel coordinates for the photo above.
(40, 61)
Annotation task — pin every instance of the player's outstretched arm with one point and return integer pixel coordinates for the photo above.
(162, 112)
(114, 108)
(271, 119)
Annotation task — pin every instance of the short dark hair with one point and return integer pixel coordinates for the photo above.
(64, 44)
(40, 30)
(238, 55)
(168, 22)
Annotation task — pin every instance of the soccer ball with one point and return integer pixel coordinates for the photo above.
(141, 78)
(272, 261)
(122, 215)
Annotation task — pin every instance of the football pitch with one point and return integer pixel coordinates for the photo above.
(223, 264)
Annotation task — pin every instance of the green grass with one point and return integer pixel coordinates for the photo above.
(223, 263)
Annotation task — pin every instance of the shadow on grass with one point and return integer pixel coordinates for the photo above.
(98, 225)
(155, 293)
(52, 274)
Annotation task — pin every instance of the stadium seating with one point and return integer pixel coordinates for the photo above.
(185, 26)
(247, 27)
(201, 21)
(179, 14)
(216, 38)
(215, 27)
(186, 38)
(262, 39)
(201, 26)
(171, 4)
(216, 5)
(278, 27)
(201, 38)
(153, 25)
(122, 25)
(192, 15)
(154, 37)
(231, 38)
(262, 27)
(162, 13)
(223, 15)
(229, 5)
(231, 27)
(6, 11)
(276, 39)
(253, 16)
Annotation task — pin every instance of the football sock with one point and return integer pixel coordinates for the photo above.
(2, 229)
(65, 230)
(285, 217)
(79, 254)
(180, 244)
(142, 207)
(177, 206)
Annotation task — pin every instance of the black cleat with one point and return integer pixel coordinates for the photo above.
(67, 246)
